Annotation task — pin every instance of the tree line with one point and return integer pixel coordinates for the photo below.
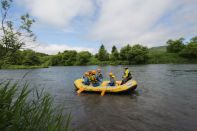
(136, 54)
(188, 50)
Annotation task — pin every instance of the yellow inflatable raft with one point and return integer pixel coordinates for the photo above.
(130, 85)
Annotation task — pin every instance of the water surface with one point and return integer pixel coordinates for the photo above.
(166, 97)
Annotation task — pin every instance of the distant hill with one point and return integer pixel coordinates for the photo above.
(158, 49)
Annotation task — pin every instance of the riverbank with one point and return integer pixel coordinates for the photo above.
(155, 55)
(156, 58)
(23, 66)
(169, 58)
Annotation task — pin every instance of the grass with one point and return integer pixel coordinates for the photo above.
(22, 67)
(29, 110)
(157, 57)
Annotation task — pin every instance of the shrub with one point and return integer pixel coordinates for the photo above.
(175, 46)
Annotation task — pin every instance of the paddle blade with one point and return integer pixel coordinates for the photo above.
(103, 93)
(80, 90)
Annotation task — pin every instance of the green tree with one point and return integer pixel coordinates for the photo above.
(83, 57)
(114, 54)
(175, 46)
(2, 51)
(14, 34)
(15, 58)
(124, 52)
(102, 54)
(31, 58)
(69, 57)
(190, 50)
(56, 60)
(193, 40)
(138, 54)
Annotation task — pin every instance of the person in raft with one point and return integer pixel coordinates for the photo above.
(86, 79)
(127, 76)
(93, 79)
(112, 80)
(99, 75)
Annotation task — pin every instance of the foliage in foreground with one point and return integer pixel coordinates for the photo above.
(29, 110)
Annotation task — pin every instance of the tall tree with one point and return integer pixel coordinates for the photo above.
(190, 50)
(124, 52)
(193, 40)
(114, 49)
(174, 46)
(114, 54)
(138, 54)
(14, 35)
(102, 54)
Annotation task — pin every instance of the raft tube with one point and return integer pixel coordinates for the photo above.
(129, 86)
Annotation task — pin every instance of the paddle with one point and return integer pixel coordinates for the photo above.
(81, 89)
(103, 92)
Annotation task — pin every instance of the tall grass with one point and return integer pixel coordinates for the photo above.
(29, 110)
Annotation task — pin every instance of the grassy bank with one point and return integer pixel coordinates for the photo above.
(167, 58)
(159, 55)
(29, 110)
(22, 67)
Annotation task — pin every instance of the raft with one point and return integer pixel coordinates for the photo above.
(129, 86)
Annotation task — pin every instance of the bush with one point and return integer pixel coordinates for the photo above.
(83, 58)
(24, 111)
(31, 58)
(190, 50)
(175, 46)
(56, 60)
(138, 54)
(124, 53)
(93, 61)
(69, 57)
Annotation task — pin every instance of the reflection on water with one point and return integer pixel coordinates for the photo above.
(164, 100)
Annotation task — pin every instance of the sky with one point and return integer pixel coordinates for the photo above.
(86, 24)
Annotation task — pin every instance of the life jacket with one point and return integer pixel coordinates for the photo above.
(86, 80)
(100, 75)
(127, 74)
(112, 79)
(93, 79)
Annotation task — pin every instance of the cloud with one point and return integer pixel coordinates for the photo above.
(53, 48)
(57, 12)
(119, 22)
(150, 22)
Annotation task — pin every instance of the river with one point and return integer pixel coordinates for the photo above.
(165, 100)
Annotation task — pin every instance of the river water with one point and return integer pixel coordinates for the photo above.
(166, 97)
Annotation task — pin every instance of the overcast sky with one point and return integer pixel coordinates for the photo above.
(86, 24)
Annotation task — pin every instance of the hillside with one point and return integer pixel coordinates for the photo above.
(158, 49)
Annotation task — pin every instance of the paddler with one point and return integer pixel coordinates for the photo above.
(86, 79)
(112, 79)
(126, 76)
(99, 75)
(93, 79)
